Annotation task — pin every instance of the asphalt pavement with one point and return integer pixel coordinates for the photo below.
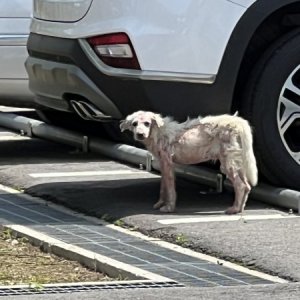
(265, 238)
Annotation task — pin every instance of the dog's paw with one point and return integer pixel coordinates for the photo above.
(167, 208)
(232, 210)
(158, 204)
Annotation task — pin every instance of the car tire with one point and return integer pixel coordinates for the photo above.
(272, 106)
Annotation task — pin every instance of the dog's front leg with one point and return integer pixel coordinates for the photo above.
(162, 193)
(168, 191)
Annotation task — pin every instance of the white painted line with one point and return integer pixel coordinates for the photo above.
(13, 138)
(13, 109)
(86, 173)
(225, 219)
(10, 190)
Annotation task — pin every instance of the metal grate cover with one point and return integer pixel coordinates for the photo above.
(73, 229)
(81, 287)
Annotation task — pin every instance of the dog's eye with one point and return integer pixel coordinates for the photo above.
(134, 124)
(147, 124)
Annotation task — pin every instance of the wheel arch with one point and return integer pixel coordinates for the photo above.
(249, 40)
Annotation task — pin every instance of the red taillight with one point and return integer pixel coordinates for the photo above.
(109, 39)
(115, 50)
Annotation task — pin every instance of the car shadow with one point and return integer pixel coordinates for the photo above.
(37, 151)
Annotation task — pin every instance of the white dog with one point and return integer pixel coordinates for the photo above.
(225, 138)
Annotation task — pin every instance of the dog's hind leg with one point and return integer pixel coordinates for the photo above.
(159, 204)
(241, 190)
(245, 198)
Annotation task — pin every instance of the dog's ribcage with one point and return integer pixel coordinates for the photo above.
(197, 141)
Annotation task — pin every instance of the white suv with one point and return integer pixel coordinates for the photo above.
(104, 59)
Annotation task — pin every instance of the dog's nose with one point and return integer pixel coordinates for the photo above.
(140, 136)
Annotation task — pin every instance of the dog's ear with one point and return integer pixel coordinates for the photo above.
(158, 120)
(125, 125)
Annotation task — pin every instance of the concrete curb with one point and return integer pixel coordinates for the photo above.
(92, 260)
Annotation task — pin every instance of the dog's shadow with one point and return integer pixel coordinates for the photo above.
(128, 197)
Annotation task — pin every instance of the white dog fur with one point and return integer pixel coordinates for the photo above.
(225, 138)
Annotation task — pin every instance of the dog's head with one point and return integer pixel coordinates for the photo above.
(141, 123)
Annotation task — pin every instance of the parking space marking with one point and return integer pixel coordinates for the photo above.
(87, 173)
(13, 137)
(225, 219)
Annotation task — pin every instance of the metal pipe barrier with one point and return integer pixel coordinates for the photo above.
(283, 197)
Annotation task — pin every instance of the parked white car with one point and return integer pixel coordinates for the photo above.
(15, 17)
(104, 59)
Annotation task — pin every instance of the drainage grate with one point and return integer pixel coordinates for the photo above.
(103, 240)
(75, 288)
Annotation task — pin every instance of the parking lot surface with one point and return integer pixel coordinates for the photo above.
(264, 238)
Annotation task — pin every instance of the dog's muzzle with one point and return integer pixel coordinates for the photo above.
(139, 137)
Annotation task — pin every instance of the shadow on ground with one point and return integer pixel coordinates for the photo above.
(127, 197)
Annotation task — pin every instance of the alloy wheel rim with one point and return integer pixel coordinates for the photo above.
(288, 114)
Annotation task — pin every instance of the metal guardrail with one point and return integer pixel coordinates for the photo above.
(283, 197)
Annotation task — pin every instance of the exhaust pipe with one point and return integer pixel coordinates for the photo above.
(81, 113)
(88, 111)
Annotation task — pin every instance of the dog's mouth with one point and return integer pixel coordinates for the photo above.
(139, 137)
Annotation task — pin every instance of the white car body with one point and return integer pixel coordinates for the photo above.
(15, 18)
(165, 22)
(105, 59)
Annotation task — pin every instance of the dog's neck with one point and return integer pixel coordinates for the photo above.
(163, 136)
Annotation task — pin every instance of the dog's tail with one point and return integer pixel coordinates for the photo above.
(249, 160)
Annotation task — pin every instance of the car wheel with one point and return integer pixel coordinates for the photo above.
(272, 104)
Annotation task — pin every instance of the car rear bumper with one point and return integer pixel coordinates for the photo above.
(60, 70)
(56, 84)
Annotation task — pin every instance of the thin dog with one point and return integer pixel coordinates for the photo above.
(225, 138)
